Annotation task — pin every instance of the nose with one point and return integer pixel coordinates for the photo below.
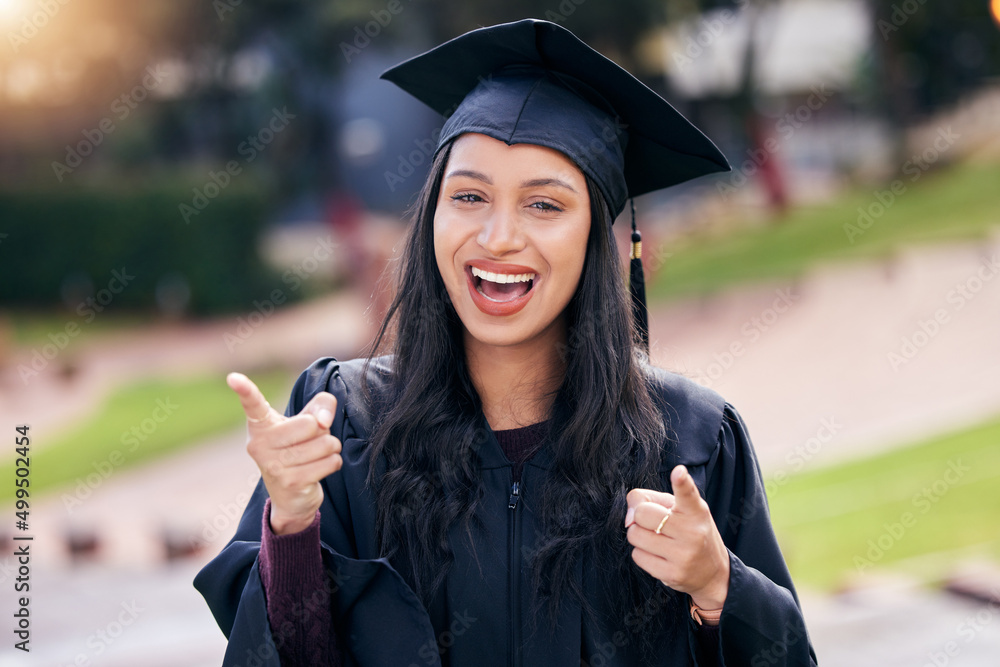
(501, 234)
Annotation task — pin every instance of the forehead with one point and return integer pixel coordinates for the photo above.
(487, 155)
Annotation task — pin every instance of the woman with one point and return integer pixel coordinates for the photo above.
(514, 484)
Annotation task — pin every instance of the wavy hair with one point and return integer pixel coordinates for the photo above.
(606, 433)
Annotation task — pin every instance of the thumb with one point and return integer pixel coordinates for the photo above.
(255, 406)
(685, 490)
(322, 406)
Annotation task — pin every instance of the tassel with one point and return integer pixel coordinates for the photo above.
(637, 286)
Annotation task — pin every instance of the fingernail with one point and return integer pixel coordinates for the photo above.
(629, 517)
(324, 417)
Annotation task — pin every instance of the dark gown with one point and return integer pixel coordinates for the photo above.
(480, 619)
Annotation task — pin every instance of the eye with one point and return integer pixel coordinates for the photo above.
(466, 197)
(545, 206)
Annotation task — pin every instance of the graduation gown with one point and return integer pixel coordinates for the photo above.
(480, 618)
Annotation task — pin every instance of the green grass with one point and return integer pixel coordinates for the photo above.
(828, 521)
(166, 415)
(32, 328)
(960, 202)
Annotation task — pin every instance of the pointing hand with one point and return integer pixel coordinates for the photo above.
(293, 453)
(676, 540)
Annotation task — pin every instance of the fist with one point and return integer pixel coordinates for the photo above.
(293, 453)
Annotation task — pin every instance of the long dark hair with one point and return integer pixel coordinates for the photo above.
(606, 433)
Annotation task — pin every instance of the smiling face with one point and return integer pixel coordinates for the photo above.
(510, 236)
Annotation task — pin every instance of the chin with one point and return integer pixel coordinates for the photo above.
(508, 334)
(496, 336)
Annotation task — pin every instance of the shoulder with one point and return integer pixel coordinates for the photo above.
(347, 381)
(693, 414)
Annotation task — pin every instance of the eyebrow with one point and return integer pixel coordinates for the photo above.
(539, 182)
(478, 175)
(533, 183)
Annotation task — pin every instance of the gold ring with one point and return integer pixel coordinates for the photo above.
(267, 412)
(664, 521)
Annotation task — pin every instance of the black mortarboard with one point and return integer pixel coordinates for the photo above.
(535, 82)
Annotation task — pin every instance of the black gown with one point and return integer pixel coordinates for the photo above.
(479, 619)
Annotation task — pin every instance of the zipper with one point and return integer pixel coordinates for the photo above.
(515, 493)
(514, 579)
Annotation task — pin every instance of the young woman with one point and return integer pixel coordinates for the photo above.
(513, 484)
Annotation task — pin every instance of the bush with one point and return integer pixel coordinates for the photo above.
(63, 245)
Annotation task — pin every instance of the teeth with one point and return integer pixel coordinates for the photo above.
(502, 277)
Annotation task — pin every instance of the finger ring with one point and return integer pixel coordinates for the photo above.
(663, 521)
(267, 411)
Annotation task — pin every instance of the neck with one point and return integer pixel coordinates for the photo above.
(517, 384)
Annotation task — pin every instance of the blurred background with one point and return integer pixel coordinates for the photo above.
(189, 188)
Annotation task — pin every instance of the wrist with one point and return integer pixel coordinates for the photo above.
(283, 524)
(713, 595)
(708, 602)
(705, 616)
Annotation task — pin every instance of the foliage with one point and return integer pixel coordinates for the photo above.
(65, 244)
(957, 203)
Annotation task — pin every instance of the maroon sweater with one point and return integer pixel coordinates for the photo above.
(296, 588)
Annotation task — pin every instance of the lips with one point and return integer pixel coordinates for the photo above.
(500, 289)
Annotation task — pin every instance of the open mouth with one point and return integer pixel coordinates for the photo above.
(500, 294)
(502, 287)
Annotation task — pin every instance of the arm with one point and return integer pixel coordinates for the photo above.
(721, 550)
(762, 623)
(298, 595)
(368, 596)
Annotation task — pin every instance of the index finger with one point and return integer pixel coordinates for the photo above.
(255, 406)
(684, 487)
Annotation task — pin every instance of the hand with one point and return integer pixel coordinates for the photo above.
(688, 555)
(293, 454)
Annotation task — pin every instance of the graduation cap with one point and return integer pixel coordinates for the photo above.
(535, 82)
